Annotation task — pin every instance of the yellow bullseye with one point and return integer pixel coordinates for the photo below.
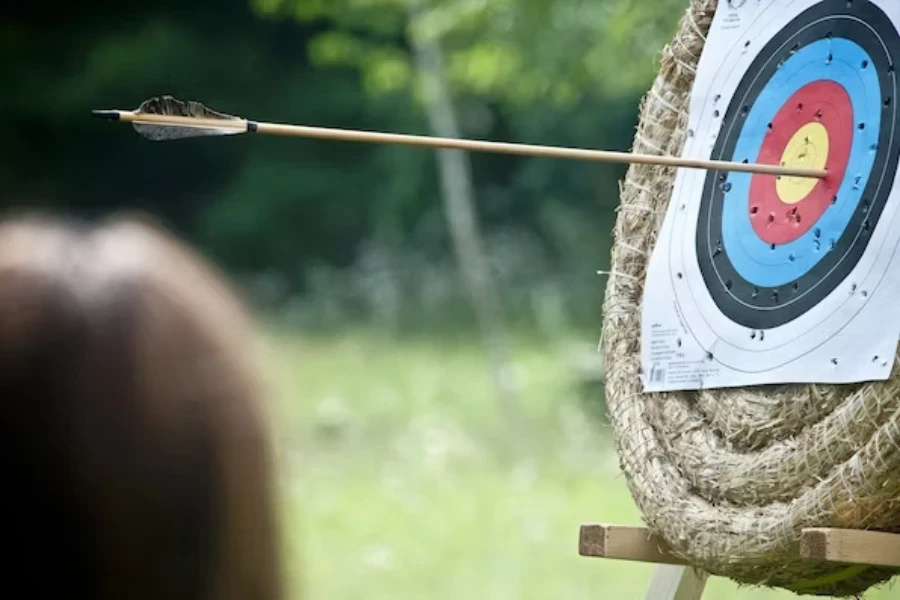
(808, 148)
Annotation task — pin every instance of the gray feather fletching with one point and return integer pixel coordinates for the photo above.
(167, 105)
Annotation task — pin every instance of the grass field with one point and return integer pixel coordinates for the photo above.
(403, 479)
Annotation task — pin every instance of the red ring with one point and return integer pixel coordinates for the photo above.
(777, 222)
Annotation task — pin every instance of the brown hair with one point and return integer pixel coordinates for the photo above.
(135, 443)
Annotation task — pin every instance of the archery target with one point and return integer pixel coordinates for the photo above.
(766, 270)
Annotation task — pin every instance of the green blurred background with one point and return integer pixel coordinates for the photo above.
(423, 452)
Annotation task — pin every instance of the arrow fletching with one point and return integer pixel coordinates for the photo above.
(165, 118)
(173, 107)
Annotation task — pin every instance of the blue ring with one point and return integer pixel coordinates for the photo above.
(755, 259)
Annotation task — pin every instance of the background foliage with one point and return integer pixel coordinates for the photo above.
(325, 232)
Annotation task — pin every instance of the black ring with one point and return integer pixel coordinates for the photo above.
(761, 308)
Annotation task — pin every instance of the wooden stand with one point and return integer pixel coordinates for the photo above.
(674, 579)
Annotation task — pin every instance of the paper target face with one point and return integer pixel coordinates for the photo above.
(779, 279)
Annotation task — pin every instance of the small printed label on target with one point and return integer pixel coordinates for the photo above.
(663, 350)
(757, 279)
(676, 361)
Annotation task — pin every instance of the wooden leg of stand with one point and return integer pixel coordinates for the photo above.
(676, 582)
(673, 578)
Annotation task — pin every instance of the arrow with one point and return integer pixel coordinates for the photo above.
(167, 118)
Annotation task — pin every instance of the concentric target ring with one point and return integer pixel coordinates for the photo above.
(768, 250)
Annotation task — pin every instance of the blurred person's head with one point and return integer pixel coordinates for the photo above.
(135, 448)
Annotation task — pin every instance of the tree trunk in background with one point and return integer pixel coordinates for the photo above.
(459, 208)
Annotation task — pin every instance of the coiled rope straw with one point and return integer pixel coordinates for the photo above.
(730, 477)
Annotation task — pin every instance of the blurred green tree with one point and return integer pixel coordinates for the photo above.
(309, 214)
(513, 57)
(514, 51)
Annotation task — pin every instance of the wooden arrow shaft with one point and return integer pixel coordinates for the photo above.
(326, 133)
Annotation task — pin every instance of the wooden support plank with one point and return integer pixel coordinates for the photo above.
(675, 579)
(676, 582)
(625, 543)
(851, 546)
